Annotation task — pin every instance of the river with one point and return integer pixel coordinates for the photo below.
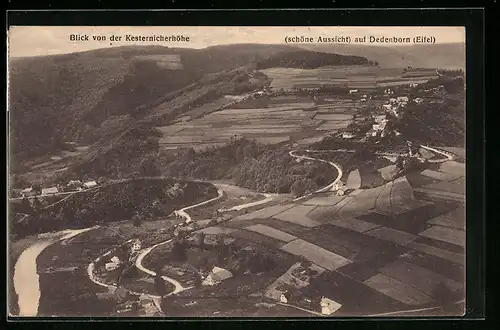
(26, 279)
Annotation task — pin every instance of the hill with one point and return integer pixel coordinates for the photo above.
(441, 56)
(303, 59)
(440, 120)
(67, 97)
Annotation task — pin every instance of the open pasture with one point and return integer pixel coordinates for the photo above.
(355, 76)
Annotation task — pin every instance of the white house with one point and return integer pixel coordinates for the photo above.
(113, 264)
(90, 184)
(329, 306)
(353, 91)
(136, 246)
(283, 299)
(27, 192)
(74, 183)
(402, 99)
(216, 276)
(386, 107)
(347, 135)
(381, 118)
(50, 191)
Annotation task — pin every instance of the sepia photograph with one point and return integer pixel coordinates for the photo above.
(236, 171)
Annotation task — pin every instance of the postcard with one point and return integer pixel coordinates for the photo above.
(238, 171)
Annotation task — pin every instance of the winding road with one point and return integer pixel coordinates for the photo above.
(329, 186)
(447, 157)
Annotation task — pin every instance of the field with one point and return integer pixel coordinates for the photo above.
(268, 120)
(356, 77)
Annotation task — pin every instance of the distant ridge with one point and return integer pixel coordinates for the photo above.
(442, 56)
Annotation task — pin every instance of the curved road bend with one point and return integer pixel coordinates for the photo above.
(138, 263)
(329, 186)
(26, 279)
(178, 286)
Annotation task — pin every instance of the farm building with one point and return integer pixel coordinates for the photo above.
(347, 135)
(392, 100)
(113, 264)
(283, 298)
(217, 275)
(329, 306)
(402, 99)
(27, 192)
(353, 91)
(136, 246)
(90, 184)
(418, 100)
(386, 107)
(50, 191)
(74, 183)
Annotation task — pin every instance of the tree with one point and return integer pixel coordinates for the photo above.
(298, 188)
(149, 167)
(197, 280)
(201, 239)
(37, 205)
(26, 206)
(178, 252)
(160, 287)
(137, 219)
(37, 188)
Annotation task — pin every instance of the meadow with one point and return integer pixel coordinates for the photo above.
(355, 76)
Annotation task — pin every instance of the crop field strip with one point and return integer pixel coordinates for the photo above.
(454, 219)
(298, 214)
(315, 254)
(420, 278)
(397, 290)
(446, 234)
(357, 76)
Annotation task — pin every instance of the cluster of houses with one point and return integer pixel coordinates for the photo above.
(72, 185)
(394, 107)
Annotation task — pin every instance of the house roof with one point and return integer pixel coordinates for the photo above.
(220, 273)
(50, 190)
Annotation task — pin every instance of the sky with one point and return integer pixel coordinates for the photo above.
(49, 40)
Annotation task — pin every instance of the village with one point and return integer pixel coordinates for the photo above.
(59, 189)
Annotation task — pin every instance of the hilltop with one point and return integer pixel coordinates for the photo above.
(303, 59)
